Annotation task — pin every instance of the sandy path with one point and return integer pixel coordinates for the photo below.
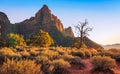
(76, 70)
(87, 70)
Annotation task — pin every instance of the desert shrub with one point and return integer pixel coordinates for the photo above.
(61, 63)
(77, 61)
(9, 52)
(103, 63)
(108, 53)
(50, 54)
(60, 50)
(42, 60)
(20, 67)
(34, 52)
(78, 53)
(25, 54)
(94, 52)
(87, 53)
(113, 53)
(60, 66)
(42, 39)
(15, 40)
(67, 57)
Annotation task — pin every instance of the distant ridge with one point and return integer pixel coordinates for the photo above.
(110, 46)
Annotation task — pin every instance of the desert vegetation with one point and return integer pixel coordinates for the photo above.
(41, 57)
(54, 60)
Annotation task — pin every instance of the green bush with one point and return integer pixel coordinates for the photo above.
(20, 67)
(103, 63)
(42, 39)
(15, 40)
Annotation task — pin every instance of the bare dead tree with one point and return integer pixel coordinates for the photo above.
(83, 29)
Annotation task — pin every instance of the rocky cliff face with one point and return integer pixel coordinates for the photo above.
(4, 23)
(69, 32)
(43, 19)
(47, 19)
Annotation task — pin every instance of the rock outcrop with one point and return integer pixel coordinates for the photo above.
(69, 32)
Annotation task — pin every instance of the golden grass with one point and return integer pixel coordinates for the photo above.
(20, 67)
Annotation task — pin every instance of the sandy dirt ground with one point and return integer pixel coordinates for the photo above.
(87, 70)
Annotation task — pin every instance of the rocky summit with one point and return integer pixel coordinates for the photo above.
(43, 19)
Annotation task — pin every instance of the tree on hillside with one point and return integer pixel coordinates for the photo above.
(15, 40)
(42, 39)
(83, 30)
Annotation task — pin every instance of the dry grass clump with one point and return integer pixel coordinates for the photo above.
(78, 62)
(34, 52)
(83, 53)
(42, 60)
(88, 54)
(67, 57)
(60, 66)
(10, 53)
(60, 50)
(94, 52)
(7, 52)
(50, 54)
(61, 63)
(113, 53)
(20, 67)
(103, 63)
(25, 53)
(78, 53)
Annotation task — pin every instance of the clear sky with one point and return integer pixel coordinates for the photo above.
(102, 15)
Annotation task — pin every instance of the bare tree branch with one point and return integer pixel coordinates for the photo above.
(83, 30)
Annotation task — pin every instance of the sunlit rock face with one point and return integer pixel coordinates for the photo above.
(43, 19)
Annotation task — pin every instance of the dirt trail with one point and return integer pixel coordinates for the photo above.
(76, 70)
(117, 69)
(87, 70)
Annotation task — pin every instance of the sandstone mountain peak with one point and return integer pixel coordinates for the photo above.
(43, 11)
(45, 7)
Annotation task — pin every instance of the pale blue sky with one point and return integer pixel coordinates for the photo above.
(102, 15)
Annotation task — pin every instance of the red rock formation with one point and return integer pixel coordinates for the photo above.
(43, 19)
(69, 32)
